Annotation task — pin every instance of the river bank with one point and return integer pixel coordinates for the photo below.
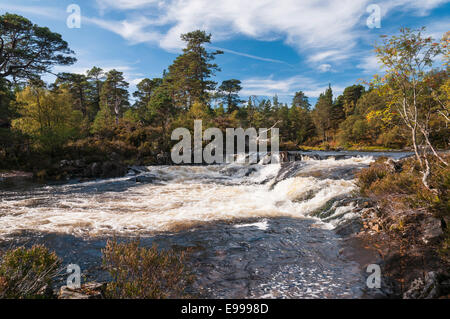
(408, 226)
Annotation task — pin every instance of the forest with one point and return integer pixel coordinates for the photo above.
(93, 115)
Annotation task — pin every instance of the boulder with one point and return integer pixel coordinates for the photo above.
(145, 179)
(92, 290)
(431, 229)
(432, 286)
(113, 169)
(95, 170)
(163, 158)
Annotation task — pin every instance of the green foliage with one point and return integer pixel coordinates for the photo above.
(29, 50)
(229, 90)
(145, 90)
(144, 273)
(103, 122)
(189, 75)
(47, 117)
(322, 114)
(25, 273)
(93, 110)
(114, 95)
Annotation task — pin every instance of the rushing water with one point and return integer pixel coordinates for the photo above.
(253, 227)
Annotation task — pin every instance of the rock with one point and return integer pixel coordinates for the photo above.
(434, 285)
(145, 179)
(431, 229)
(376, 228)
(95, 170)
(349, 227)
(138, 169)
(394, 166)
(80, 163)
(113, 169)
(163, 158)
(284, 157)
(92, 290)
(46, 292)
(266, 159)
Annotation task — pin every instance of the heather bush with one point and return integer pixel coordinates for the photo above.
(25, 273)
(144, 273)
(366, 177)
(382, 179)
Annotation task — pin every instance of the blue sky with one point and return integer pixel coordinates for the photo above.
(272, 46)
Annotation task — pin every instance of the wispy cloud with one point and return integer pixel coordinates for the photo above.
(44, 11)
(133, 31)
(255, 57)
(324, 67)
(285, 87)
(308, 26)
(370, 64)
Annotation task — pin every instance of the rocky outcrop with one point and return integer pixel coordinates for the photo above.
(433, 285)
(15, 177)
(92, 290)
(68, 169)
(431, 228)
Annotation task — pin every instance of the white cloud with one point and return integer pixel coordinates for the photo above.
(324, 67)
(125, 4)
(309, 26)
(134, 31)
(286, 87)
(370, 64)
(48, 12)
(419, 7)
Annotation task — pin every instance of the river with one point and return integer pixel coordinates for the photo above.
(257, 231)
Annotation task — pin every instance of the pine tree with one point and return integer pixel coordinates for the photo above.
(229, 92)
(114, 94)
(189, 75)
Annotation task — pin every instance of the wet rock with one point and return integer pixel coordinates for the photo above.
(113, 169)
(138, 169)
(250, 171)
(15, 177)
(145, 179)
(80, 163)
(287, 170)
(92, 290)
(163, 158)
(95, 169)
(349, 227)
(284, 157)
(431, 229)
(433, 285)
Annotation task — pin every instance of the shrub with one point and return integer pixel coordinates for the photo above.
(366, 177)
(25, 273)
(144, 273)
(381, 180)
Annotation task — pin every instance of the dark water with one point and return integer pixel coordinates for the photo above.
(259, 242)
(292, 258)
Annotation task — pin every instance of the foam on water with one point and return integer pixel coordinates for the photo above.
(182, 196)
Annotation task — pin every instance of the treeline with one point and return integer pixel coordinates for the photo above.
(93, 114)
